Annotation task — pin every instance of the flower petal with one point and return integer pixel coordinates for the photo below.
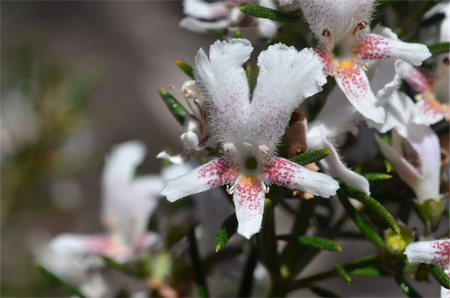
(418, 78)
(354, 83)
(197, 26)
(223, 82)
(286, 77)
(336, 16)
(430, 111)
(291, 175)
(333, 165)
(204, 10)
(81, 244)
(374, 47)
(248, 200)
(214, 173)
(430, 252)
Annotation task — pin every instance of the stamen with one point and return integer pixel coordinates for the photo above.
(246, 144)
(326, 33)
(418, 97)
(227, 147)
(267, 189)
(264, 149)
(446, 61)
(365, 66)
(229, 190)
(361, 25)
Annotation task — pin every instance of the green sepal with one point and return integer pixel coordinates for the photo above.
(221, 32)
(366, 271)
(226, 230)
(396, 243)
(71, 289)
(238, 33)
(316, 242)
(375, 206)
(430, 212)
(377, 176)
(439, 48)
(310, 157)
(342, 272)
(359, 221)
(321, 292)
(175, 108)
(440, 276)
(186, 68)
(267, 13)
(388, 165)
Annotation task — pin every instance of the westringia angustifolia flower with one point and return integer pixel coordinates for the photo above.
(345, 45)
(128, 203)
(249, 131)
(435, 252)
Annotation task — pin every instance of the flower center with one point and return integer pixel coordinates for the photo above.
(251, 163)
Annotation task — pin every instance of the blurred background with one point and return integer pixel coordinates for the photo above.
(77, 78)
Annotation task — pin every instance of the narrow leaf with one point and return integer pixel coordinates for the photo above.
(316, 242)
(377, 176)
(388, 165)
(238, 33)
(69, 288)
(186, 68)
(310, 157)
(360, 222)
(366, 271)
(121, 267)
(321, 292)
(223, 31)
(405, 287)
(439, 48)
(267, 13)
(226, 230)
(175, 108)
(440, 276)
(342, 272)
(376, 206)
(202, 288)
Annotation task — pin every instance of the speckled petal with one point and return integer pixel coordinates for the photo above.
(429, 252)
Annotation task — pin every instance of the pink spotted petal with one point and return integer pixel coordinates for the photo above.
(291, 175)
(354, 83)
(333, 165)
(430, 252)
(418, 78)
(430, 111)
(375, 47)
(249, 203)
(82, 244)
(214, 173)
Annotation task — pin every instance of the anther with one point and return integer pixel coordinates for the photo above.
(229, 190)
(365, 66)
(246, 144)
(362, 25)
(418, 97)
(264, 149)
(446, 61)
(326, 33)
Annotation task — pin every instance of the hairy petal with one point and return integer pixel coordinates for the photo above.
(249, 203)
(204, 10)
(374, 47)
(286, 77)
(81, 244)
(430, 111)
(418, 78)
(354, 83)
(197, 26)
(333, 165)
(291, 175)
(214, 173)
(222, 80)
(430, 252)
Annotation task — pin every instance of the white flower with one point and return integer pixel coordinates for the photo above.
(249, 131)
(227, 15)
(415, 150)
(343, 26)
(128, 203)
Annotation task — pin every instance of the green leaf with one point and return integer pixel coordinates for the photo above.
(377, 176)
(440, 276)
(175, 108)
(71, 289)
(376, 206)
(310, 157)
(366, 271)
(226, 230)
(186, 68)
(321, 292)
(439, 48)
(388, 165)
(223, 31)
(405, 287)
(238, 33)
(249, 74)
(360, 222)
(121, 267)
(202, 287)
(267, 13)
(316, 242)
(342, 272)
